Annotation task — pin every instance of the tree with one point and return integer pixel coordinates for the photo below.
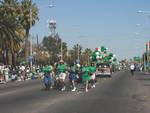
(86, 56)
(9, 28)
(53, 46)
(27, 20)
(75, 53)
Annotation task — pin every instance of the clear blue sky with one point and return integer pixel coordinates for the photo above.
(93, 23)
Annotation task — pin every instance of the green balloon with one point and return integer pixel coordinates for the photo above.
(103, 49)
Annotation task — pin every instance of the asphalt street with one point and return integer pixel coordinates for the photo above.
(120, 94)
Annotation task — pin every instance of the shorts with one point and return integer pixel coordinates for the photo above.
(93, 76)
(62, 76)
(72, 76)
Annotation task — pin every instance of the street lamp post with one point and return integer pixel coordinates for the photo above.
(31, 56)
(61, 50)
(78, 52)
(147, 51)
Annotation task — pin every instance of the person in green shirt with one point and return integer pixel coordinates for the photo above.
(86, 76)
(92, 70)
(47, 77)
(61, 71)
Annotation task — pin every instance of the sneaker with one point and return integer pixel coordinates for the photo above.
(63, 89)
(94, 86)
(74, 89)
(86, 90)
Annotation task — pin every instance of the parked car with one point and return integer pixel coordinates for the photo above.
(104, 69)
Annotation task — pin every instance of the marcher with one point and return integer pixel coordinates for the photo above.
(86, 76)
(73, 76)
(47, 77)
(61, 71)
(92, 70)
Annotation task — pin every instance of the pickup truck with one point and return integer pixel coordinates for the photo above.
(104, 69)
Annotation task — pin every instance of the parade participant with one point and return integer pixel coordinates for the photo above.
(47, 77)
(86, 76)
(92, 69)
(61, 71)
(73, 75)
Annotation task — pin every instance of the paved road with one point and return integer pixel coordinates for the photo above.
(120, 94)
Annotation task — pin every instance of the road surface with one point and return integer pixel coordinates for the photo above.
(120, 94)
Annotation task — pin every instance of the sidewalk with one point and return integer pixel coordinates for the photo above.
(142, 91)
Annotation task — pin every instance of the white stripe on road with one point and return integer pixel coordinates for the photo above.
(7, 93)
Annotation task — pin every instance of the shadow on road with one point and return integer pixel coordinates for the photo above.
(146, 84)
(144, 79)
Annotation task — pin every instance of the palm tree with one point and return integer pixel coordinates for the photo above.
(27, 20)
(75, 53)
(53, 45)
(86, 55)
(9, 28)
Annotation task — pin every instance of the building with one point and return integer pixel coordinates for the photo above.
(146, 57)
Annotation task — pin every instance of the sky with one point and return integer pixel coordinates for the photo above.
(114, 24)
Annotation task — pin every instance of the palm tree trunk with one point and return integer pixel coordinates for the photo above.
(4, 59)
(27, 45)
(13, 59)
(6, 56)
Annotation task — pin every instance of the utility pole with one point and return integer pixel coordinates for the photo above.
(147, 52)
(78, 51)
(31, 56)
(61, 50)
(144, 62)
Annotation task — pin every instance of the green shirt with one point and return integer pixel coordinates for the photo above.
(47, 69)
(85, 76)
(92, 69)
(61, 68)
(85, 70)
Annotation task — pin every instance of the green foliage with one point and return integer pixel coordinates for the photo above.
(137, 58)
(53, 46)
(15, 22)
(9, 26)
(28, 8)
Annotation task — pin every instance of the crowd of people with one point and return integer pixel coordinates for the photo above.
(54, 76)
(16, 73)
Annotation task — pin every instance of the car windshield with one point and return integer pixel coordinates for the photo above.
(103, 65)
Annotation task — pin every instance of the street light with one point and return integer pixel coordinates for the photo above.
(51, 4)
(61, 49)
(31, 57)
(78, 58)
(145, 12)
